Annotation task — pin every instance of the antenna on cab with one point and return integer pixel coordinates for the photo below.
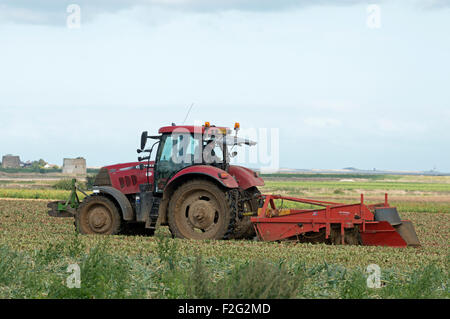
(188, 112)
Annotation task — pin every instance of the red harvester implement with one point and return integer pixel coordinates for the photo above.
(338, 223)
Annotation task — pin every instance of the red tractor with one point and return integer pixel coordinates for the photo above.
(190, 186)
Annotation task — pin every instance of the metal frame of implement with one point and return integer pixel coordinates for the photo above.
(274, 223)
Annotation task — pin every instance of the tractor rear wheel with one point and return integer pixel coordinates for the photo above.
(199, 209)
(97, 215)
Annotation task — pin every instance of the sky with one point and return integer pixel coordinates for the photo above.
(342, 83)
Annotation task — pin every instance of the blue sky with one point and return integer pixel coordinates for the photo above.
(341, 94)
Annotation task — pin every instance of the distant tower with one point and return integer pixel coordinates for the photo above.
(10, 161)
(74, 166)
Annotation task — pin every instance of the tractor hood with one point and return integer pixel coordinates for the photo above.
(125, 177)
(245, 177)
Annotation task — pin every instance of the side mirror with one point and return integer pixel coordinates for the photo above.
(144, 137)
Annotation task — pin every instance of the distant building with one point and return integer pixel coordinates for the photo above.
(10, 161)
(75, 166)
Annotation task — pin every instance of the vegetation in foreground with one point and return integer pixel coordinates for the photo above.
(167, 274)
(35, 251)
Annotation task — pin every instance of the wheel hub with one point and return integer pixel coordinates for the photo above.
(99, 217)
(201, 214)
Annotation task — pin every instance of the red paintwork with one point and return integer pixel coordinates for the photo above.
(245, 177)
(271, 226)
(306, 220)
(212, 171)
(191, 129)
(127, 177)
(382, 234)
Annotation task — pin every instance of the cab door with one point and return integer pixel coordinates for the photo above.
(175, 152)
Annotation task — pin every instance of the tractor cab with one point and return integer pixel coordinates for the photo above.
(180, 147)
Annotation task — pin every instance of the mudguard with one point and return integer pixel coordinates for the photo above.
(211, 171)
(122, 200)
(245, 177)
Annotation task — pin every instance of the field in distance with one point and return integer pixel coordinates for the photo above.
(409, 193)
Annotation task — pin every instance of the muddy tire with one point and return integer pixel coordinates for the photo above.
(97, 215)
(199, 209)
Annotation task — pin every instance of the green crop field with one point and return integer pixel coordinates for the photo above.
(35, 251)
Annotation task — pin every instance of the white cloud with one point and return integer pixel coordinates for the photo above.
(54, 11)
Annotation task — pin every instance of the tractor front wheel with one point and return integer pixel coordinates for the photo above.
(97, 215)
(199, 209)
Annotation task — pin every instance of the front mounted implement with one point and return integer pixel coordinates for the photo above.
(337, 223)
